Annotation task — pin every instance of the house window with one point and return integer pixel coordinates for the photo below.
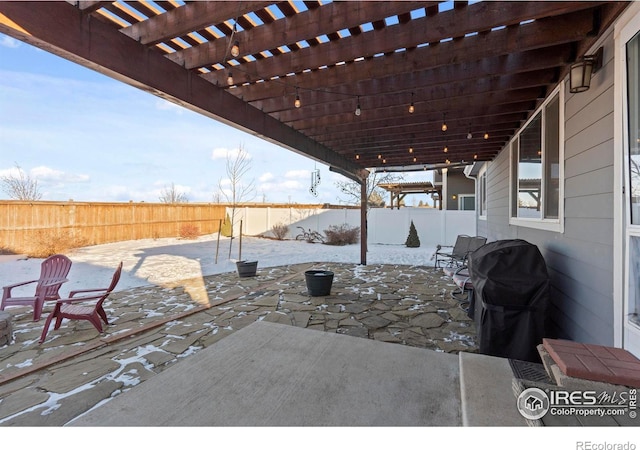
(482, 193)
(536, 169)
(633, 81)
(466, 202)
(633, 173)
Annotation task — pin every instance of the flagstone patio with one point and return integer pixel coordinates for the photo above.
(153, 328)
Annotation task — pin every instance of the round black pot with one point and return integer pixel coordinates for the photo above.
(318, 282)
(246, 268)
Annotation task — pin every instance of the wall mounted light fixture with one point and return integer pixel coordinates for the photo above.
(581, 71)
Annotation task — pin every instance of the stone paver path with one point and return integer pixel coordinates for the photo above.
(153, 328)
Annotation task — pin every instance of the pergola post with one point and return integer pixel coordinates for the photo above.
(363, 221)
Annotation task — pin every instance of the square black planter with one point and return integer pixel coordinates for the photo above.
(246, 268)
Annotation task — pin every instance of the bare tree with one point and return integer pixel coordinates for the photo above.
(352, 189)
(171, 195)
(237, 189)
(20, 186)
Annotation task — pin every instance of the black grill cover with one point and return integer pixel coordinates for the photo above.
(511, 295)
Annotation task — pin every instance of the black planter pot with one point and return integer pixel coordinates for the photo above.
(246, 268)
(318, 282)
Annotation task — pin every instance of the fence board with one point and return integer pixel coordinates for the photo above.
(25, 226)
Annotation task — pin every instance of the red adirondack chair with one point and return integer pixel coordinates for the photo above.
(87, 306)
(53, 273)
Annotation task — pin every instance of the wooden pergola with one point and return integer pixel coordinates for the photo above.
(398, 191)
(355, 85)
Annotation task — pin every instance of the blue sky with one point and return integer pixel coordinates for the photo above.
(87, 137)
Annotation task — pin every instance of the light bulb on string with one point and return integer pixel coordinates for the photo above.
(297, 103)
(444, 122)
(411, 106)
(358, 110)
(230, 79)
(486, 135)
(235, 49)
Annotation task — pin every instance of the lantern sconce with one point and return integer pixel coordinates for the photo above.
(581, 71)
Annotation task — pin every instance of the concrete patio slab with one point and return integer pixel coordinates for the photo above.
(269, 374)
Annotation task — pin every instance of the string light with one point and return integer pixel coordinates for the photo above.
(411, 149)
(486, 135)
(297, 103)
(446, 149)
(444, 122)
(379, 156)
(411, 107)
(357, 156)
(469, 136)
(415, 159)
(475, 156)
(235, 50)
(358, 110)
(230, 79)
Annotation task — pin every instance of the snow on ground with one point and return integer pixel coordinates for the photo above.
(162, 261)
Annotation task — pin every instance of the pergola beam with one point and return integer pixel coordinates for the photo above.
(303, 26)
(420, 31)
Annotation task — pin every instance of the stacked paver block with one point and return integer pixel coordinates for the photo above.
(6, 329)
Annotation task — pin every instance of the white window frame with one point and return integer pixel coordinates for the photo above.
(555, 225)
(626, 331)
(461, 197)
(481, 204)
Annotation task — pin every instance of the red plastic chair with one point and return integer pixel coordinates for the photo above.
(53, 273)
(88, 306)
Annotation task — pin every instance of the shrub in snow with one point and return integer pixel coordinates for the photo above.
(412, 240)
(342, 235)
(280, 231)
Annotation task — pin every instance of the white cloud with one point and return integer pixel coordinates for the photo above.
(223, 153)
(297, 174)
(291, 186)
(47, 174)
(266, 177)
(7, 41)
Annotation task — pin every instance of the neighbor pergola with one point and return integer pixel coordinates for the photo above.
(398, 191)
(334, 81)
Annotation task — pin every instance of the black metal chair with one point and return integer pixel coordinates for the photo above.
(458, 253)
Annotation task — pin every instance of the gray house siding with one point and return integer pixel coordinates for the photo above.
(579, 260)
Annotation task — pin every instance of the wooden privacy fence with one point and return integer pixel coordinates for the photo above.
(26, 224)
